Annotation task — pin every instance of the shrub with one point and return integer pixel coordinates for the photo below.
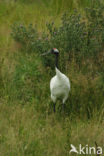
(75, 37)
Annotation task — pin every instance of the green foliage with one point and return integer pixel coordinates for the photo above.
(28, 126)
(24, 35)
(95, 28)
(75, 37)
(24, 81)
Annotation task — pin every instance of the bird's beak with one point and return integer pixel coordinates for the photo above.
(46, 53)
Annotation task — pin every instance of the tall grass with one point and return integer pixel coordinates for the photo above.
(28, 126)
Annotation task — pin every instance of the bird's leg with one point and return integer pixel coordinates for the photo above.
(54, 107)
(65, 98)
(54, 102)
(63, 106)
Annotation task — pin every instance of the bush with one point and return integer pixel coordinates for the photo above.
(75, 37)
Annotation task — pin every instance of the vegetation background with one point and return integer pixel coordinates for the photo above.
(28, 126)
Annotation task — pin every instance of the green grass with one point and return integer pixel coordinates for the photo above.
(28, 126)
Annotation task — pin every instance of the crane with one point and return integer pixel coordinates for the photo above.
(59, 84)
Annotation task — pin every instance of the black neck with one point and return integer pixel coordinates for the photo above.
(56, 60)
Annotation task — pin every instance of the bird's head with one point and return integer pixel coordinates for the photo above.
(55, 51)
(52, 51)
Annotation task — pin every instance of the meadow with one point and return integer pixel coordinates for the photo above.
(28, 125)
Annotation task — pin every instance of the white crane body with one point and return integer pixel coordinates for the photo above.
(59, 86)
